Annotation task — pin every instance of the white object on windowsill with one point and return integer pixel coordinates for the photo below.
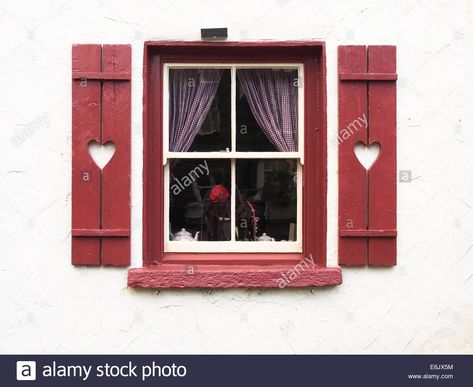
(185, 235)
(265, 238)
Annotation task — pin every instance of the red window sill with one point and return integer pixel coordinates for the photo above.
(227, 276)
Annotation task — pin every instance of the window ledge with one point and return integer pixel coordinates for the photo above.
(220, 276)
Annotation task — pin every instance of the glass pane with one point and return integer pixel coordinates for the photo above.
(266, 200)
(199, 200)
(199, 110)
(266, 110)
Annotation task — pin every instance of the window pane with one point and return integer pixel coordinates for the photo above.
(266, 199)
(199, 199)
(267, 106)
(199, 110)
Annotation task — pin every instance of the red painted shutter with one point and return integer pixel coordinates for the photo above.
(367, 114)
(101, 112)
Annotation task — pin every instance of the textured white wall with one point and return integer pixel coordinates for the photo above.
(425, 304)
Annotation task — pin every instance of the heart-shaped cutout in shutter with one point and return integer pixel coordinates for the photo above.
(367, 155)
(101, 153)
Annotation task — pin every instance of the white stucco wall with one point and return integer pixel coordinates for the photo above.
(425, 304)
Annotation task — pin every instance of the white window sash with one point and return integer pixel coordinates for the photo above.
(233, 245)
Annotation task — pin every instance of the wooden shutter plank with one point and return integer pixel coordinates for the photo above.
(86, 110)
(352, 175)
(382, 175)
(116, 125)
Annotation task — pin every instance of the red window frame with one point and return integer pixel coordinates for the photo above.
(166, 269)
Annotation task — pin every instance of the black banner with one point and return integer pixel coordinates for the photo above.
(234, 370)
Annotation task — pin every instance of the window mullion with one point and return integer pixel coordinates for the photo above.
(233, 109)
(233, 161)
(233, 200)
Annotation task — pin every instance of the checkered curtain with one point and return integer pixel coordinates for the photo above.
(191, 92)
(272, 96)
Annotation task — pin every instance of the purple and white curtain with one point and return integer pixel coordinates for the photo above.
(272, 96)
(191, 92)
